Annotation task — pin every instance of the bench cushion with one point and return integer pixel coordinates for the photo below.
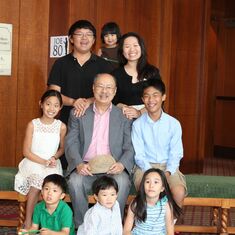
(7, 178)
(198, 185)
(210, 186)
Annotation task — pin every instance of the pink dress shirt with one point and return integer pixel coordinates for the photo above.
(100, 137)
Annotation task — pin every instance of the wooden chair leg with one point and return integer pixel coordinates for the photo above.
(22, 210)
(215, 218)
(224, 221)
(22, 206)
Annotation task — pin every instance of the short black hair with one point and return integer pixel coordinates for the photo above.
(104, 182)
(157, 83)
(56, 179)
(82, 24)
(110, 28)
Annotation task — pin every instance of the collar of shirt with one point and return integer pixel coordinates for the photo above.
(150, 120)
(107, 209)
(92, 58)
(96, 111)
(55, 211)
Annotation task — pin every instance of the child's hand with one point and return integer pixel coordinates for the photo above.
(52, 162)
(23, 231)
(45, 231)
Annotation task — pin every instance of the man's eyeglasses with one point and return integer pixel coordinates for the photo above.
(101, 87)
(81, 35)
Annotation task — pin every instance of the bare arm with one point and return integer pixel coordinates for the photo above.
(99, 52)
(27, 147)
(129, 222)
(45, 231)
(67, 101)
(81, 104)
(169, 220)
(131, 112)
(60, 151)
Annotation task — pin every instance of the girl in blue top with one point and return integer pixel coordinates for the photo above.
(153, 210)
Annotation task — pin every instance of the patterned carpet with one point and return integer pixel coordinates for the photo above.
(192, 215)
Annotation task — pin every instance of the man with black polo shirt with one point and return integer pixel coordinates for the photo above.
(73, 74)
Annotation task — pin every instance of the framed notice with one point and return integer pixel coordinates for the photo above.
(5, 49)
(59, 46)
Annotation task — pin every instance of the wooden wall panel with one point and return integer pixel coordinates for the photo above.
(105, 13)
(226, 58)
(83, 9)
(9, 13)
(223, 13)
(131, 15)
(58, 22)
(149, 27)
(32, 67)
(186, 75)
(225, 125)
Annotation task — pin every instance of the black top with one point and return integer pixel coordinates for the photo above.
(127, 92)
(76, 80)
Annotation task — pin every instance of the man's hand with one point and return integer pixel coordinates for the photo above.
(116, 168)
(84, 169)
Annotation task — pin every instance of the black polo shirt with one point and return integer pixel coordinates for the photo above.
(76, 80)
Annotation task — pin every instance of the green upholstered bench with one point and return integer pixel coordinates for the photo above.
(210, 186)
(211, 191)
(7, 177)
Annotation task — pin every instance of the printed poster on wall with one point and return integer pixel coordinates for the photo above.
(59, 46)
(5, 49)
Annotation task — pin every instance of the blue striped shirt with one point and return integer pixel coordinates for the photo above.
(155, 221)
(157, 142)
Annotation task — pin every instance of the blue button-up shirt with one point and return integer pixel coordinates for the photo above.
(157, 142)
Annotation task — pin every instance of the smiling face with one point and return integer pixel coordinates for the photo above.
(131, 49)
(104, 89)
(52, 193)
(82, 40)
(153, 100)
(107, 197)
(50, 107)
(153, 185)
(110, 40)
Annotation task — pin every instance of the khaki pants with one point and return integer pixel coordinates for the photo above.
(176, 179)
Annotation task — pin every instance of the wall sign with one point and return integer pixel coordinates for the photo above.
(5, 49)
(59, 46)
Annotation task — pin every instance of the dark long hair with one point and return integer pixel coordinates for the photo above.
(139, 204)
(144, 69)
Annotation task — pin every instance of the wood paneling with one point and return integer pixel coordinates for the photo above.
(186, 86)
(223, 12)
(105, 13)
(224, 124)
(58, 22)
(9, 13)
(32, 67)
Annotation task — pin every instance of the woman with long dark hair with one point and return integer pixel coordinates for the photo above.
(134, 69)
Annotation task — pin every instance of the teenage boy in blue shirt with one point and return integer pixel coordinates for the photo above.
(157, 140)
